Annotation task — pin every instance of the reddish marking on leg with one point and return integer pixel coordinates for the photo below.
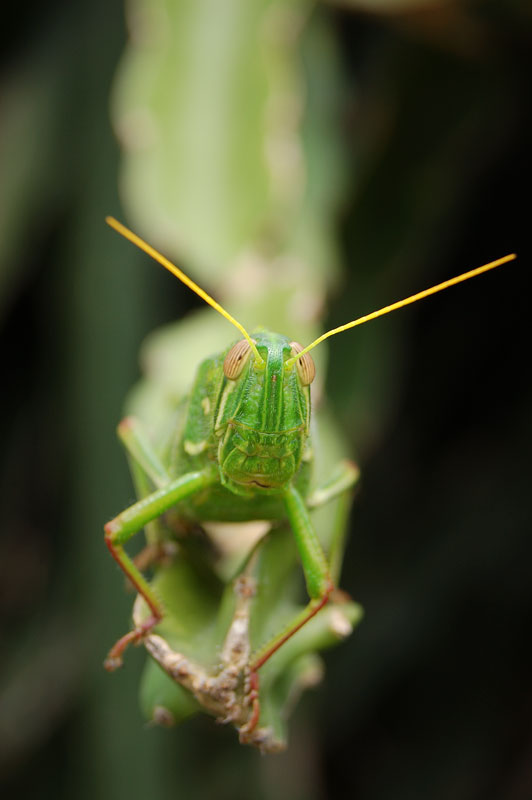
(313, 611)
(114, 658)
(110, 529)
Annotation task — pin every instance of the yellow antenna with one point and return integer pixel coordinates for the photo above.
(259, 362)
(401, 303)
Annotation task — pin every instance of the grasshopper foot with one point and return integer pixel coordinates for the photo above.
(112, 662)
(114, 658)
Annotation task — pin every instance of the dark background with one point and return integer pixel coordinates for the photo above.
(431, 697)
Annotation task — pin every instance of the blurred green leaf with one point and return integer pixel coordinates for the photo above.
(210, 117)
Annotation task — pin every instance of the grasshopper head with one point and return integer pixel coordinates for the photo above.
(264, 414)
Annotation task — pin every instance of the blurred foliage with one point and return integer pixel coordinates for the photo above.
(431, 698)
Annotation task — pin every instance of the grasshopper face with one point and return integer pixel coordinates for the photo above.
(263, 420)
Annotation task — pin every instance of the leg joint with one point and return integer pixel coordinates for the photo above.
(111, 529)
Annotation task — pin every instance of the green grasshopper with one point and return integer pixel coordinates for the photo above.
(242, 454)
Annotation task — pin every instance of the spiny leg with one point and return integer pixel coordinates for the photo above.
(119, 530)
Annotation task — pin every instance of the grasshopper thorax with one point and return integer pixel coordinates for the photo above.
(263, 417)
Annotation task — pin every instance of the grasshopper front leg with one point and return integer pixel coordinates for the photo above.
(319, 586)
(120, 529)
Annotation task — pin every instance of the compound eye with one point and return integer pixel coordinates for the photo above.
(305, 365)
(236, 358)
